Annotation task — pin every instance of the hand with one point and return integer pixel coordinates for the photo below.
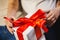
(9, 26)
(53, 15)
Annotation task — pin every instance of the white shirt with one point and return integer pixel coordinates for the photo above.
(31, 6)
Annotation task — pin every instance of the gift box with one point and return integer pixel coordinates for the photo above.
(28, 34)
(30, 28)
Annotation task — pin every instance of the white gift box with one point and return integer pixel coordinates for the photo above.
(29, 34)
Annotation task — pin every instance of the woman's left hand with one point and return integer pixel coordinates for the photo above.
(53, 15)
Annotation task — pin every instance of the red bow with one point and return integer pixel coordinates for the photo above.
(36, 20)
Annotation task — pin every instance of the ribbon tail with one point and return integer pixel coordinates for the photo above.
(45, 29)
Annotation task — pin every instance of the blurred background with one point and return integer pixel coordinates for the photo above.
(3, 10)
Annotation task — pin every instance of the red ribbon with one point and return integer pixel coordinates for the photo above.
(36, 20)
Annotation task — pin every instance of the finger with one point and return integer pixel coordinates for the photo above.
(50, 17)
(10, 30)
(49, 14)
(53, 19)
(9, 26)
(13, 18)
(53, 22)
